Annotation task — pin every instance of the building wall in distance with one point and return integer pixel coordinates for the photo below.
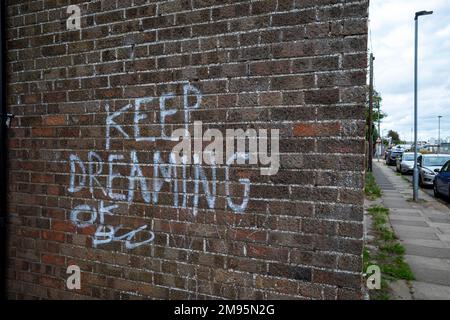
(90, 187)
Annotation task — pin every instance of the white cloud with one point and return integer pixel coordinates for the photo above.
(392, 38)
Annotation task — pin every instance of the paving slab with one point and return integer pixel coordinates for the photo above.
(410, 223)
(413, 229)
(406, 212)
(443, 219)
(415, 235)
(406, 218)
(444, 237)
(427, 243)
(443, 228)
(430, 291)
(423, 228)
(393, 196)
(401, 290)
(392, 203)
(431, 275)
(427, 251)
(429, 263)
(436, 214)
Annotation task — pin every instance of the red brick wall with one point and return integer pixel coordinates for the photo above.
(294, 65)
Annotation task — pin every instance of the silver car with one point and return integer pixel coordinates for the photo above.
(429, 167)
(405, 163)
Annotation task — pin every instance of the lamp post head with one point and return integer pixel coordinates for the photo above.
(422, 13)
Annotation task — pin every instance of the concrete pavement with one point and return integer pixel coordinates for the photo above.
(428, 190)
(423, 229)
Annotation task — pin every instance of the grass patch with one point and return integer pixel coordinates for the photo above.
(398, 269)
(394, 248)
(406, 179)
(366, 258)
(372, 190)
(389, 256)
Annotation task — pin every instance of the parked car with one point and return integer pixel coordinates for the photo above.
(441, 183)
(445, 148)
(405, 163)
(392, 156)
(405, 147)
(428, 148)
(386, 153)
(429, 166)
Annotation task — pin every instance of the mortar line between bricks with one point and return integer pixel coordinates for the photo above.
(193, 10)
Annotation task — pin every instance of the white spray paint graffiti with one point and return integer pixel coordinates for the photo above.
(86, 175)
(107, 233)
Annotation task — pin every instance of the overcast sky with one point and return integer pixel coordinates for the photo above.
(392, 40)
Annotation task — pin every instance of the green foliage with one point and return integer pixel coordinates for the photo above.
(395, 137)
(367, 259)
(377, 115)
(398, 269)
(371, 188)
(394, 248)
(390, 254)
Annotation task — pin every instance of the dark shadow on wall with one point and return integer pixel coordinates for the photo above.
(3, 154)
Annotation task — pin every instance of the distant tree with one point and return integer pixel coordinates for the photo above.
(395, 136)
(377, 100)
(376, 116)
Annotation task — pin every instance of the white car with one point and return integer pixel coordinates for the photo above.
(429, 166)
(405, 163)
(404, 147)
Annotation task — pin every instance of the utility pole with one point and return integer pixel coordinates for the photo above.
(370, 122)
(439, 135)
(379, 130)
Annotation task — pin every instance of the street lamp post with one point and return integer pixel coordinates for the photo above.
(439, 134)
(384, 134)
(370, 126)
(416, 169)
(379, 133)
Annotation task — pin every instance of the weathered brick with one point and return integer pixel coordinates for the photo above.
(298, 66)
(320, 129)
(294, 18)
(330, 96)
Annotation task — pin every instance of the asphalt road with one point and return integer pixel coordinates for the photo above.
(429, 190)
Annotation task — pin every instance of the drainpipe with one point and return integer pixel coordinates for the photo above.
(4, 122)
